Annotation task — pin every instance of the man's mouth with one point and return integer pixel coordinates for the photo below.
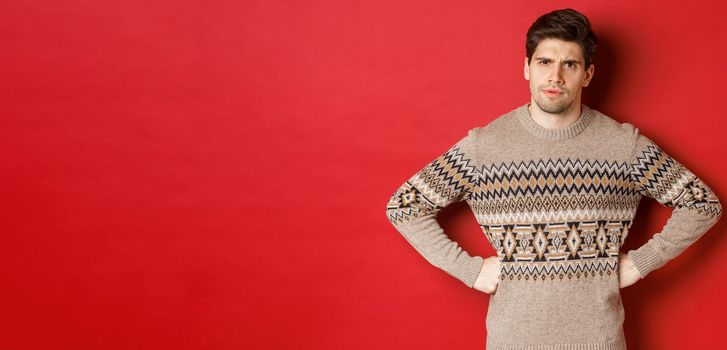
(553, 92)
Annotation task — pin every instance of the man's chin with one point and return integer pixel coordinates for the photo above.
(552, 108)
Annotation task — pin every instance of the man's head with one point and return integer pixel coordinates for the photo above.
(560, 47)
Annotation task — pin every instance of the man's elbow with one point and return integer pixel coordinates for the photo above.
(712, 209)
(389, 215)
(391, 210)
(718, 209)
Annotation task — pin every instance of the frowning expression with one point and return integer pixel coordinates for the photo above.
(557, 75)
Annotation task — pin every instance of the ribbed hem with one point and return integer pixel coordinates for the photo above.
(468, 270)
(616, 344)
(570, 131)
(645, 259)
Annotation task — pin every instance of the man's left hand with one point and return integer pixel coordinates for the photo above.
(627, 272)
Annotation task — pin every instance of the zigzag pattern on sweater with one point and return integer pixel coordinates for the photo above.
(556, 190)
(561, 269)
(446, 179)
(554, 215)
(553, 177)
(555, 208)
(657, 174)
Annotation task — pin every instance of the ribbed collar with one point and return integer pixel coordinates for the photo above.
(570, 131)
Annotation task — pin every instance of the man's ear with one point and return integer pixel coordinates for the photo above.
(526, 69)
(589, 75)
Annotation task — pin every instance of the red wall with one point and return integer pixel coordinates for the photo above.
(213, 175)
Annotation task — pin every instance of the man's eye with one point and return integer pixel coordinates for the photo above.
(570, 65)
(544, 62)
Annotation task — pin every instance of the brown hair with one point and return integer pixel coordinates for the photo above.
(566, 24)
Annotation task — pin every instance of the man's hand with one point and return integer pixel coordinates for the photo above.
(627, 272)
(489, 276)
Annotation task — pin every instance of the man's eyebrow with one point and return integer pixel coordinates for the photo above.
(569, 60)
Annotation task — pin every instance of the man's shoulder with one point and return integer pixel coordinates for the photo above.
(501, 124)
(604, 123)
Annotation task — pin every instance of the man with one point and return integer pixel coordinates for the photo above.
(554, 186)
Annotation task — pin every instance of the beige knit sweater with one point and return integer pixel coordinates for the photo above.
(556, 205)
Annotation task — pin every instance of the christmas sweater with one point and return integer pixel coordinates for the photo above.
(556, 205)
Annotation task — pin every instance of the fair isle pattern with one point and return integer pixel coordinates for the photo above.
(557, 250)
(443, 181)
(670, 183)
(559, 202)
(571, 269)
(564, 196)
(551, 219)
(559, 176)
(530, 209)
(554, 190)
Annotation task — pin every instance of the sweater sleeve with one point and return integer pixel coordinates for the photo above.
(413, 208)
(695, 206)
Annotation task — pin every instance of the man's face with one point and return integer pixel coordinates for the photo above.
(557, 75)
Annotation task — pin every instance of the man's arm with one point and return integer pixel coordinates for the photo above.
(413, 208)
(695, 206)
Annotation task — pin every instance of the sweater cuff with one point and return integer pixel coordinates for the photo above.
(468, 271)
(645, 259)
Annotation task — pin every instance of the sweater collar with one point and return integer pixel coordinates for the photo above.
(570, 131)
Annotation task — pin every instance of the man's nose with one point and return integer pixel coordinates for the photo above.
(556, 74)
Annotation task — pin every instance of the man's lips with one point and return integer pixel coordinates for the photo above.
(553, 92)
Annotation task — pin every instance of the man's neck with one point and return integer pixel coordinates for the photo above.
(555, 121)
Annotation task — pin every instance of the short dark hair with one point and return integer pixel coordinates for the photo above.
(566, 24)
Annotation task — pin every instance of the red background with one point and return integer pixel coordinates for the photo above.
(214, 175)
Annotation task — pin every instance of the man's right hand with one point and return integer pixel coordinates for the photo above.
(489, 276)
